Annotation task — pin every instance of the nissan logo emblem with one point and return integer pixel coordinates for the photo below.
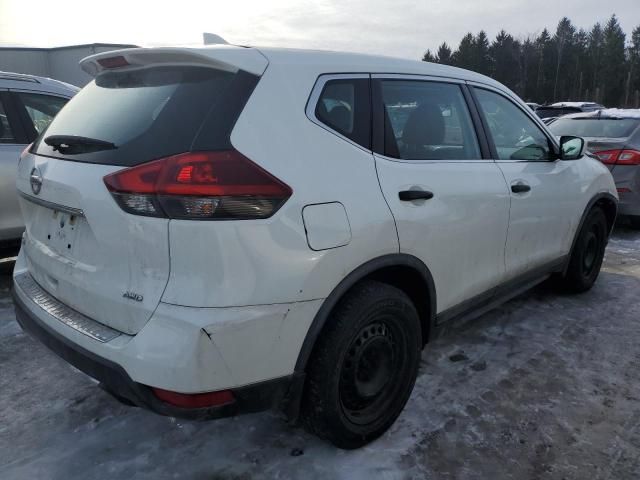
(35, 180)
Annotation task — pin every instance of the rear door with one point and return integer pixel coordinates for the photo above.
(12, 141)
(545, 192)
(450, 203)
(80, 246)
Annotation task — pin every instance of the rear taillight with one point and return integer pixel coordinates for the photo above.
(619, 157)
(628, 157)
(223, 185)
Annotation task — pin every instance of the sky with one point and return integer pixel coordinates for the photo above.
(401, 28)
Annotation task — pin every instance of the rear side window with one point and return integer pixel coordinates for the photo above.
(6, 135)
(344, 106)
(41, 108)
(147, 113)
(427, 121)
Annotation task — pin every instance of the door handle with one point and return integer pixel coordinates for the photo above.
(520, 188)
(409, 195)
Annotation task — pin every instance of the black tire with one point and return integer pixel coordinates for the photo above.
(376, 326)
(588, 253)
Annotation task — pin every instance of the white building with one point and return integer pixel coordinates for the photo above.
(60, 63)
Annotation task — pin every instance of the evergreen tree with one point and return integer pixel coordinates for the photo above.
(444, 55)
(428, 57)
(482, 59)
(505, 58)
(546, 67)
(634, 70)
(577, 70)
(528, 68)
(613, 62)
(588, 65)
(595, 51)
(464, 56)
(563, 40)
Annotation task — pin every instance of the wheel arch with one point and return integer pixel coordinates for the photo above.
(609, 205)
(403, 271)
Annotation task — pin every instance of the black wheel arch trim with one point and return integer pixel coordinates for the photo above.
(361, 272)
(595, 199)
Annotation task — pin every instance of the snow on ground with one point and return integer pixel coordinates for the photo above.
(547, 386)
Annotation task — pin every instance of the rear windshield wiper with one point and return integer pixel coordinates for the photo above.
(70, 144)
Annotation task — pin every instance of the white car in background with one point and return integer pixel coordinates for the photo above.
(219, 230)
(27, 106)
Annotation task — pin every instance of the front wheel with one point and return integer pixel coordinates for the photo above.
(364, 366)
(588, 253)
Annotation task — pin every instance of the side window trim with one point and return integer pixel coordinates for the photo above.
(377, 114)
(314, 97)
(14, 118)
(472, 86)
(478, 123)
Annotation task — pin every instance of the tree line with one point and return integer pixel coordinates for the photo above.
(571, 64)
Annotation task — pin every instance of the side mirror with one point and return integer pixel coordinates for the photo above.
(571, 148)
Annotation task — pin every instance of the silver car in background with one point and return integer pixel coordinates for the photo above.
(613, 135)
(27, 106)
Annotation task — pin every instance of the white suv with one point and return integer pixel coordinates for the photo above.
(218, 230)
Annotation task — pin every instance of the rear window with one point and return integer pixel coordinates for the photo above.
(594, 127)
(147, 113)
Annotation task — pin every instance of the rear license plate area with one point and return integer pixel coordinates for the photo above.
(62, 232)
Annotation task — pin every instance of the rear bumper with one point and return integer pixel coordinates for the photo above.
(252, 398)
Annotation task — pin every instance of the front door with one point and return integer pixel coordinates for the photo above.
(545, 191)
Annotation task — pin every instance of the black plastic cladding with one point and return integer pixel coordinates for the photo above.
(215, 131)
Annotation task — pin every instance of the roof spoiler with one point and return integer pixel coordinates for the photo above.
(222, 57)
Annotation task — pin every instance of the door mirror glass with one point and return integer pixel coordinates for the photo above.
(571, 148)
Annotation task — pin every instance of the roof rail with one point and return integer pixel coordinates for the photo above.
(18, 77)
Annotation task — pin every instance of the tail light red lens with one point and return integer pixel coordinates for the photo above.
(628, 157)
(223, 185)
(195, 400)
(619, 157)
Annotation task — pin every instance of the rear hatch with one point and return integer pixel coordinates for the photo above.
(80, 245)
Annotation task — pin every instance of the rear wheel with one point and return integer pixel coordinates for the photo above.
(364, 366)
(588, 253)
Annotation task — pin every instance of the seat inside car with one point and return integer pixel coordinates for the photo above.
(424, 128)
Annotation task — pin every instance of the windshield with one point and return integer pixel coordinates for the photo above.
(144, 114)
(594, 127)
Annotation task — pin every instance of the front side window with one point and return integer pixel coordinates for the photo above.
(41, 108)
(6, 135)
(427, 121)
(344, 106)
(515, 135)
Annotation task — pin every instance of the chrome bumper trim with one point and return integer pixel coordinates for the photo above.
(53, 206)
(62, 313)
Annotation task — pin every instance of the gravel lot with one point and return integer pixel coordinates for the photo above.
(547, 386)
